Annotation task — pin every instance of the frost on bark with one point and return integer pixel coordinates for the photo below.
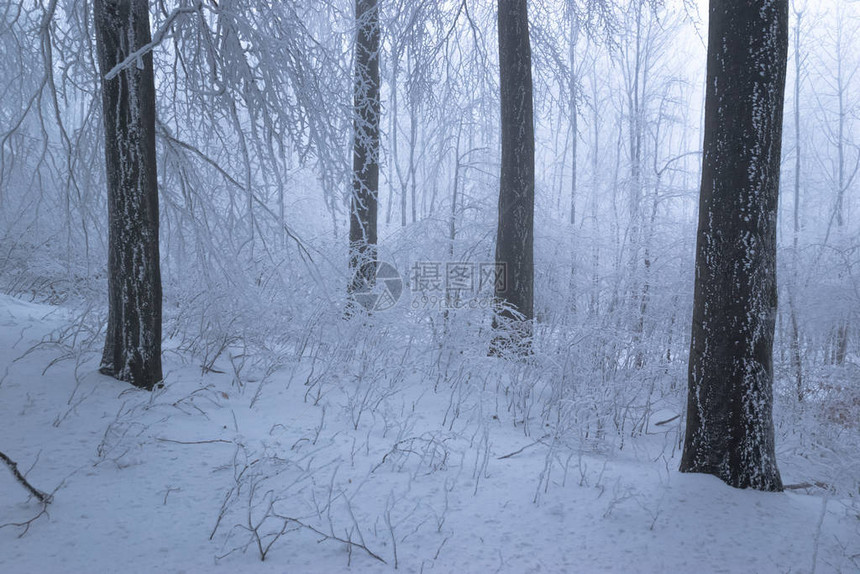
(515, 237)
(365, 172)
(730, 430)
(132, 350)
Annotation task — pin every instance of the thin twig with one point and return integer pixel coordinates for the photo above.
(667, 421)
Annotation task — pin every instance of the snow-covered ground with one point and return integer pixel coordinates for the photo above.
(203, 476)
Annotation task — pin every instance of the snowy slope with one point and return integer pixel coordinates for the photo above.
(141, 480)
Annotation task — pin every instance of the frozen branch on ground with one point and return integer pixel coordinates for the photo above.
(516, 452)
(217, 440)
(803, 485)
(42, 497)
(350, 543)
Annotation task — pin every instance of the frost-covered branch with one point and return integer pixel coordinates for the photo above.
(157, 38)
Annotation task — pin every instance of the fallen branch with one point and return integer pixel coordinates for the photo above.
(216, 440)
(802, 485)
(325, 537)
(42, 497)
(516, 452)
(25, 525)
(667, 421)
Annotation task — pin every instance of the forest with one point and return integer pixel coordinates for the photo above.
(430, 285)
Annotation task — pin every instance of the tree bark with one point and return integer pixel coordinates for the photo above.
(730, 430)
(365, 178)
(515, 237)
(132, 351)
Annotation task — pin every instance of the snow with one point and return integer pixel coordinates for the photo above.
(378, 459)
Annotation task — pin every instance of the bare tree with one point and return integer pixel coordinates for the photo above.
(132, 349)
(365, 180)
(843, 173)
(515, 237)
(730, 430)
(796, 359)
(574, 113)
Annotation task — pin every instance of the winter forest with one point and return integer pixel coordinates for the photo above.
(430, 285)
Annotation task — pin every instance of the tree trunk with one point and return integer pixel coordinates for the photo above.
(574, 128)
(132, 351)
(841, 349)
(574, 116)
(365, 167)
(730, 430)
(515, 237)
(392, 129)
(594, 305)
(413, 128)
(796, 359)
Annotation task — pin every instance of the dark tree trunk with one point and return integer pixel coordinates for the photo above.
(515, 238)
(365, 166)
(730, 430)
(132, 350)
